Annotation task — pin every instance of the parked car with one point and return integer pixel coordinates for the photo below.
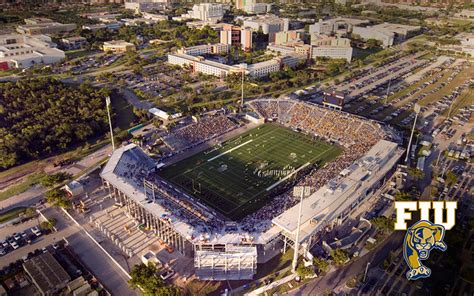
(14, 245)
(4, 244)
(36, 231)
(16, 236)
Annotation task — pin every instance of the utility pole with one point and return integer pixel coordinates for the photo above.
(107, 103)
(242, 100)
(388, 90)
(302, 192)
(417, 110)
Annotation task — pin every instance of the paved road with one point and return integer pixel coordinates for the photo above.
(103, 268)
(340, 275)
(132, 99)
(35, 193)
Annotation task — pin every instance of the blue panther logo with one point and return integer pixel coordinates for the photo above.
(420, 239)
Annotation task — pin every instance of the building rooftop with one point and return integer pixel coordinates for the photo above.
(47, 274)
(117, 42)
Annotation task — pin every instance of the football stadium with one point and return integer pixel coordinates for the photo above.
(238, 176)
(224, 195)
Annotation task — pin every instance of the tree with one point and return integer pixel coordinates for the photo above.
(30, 212)
(451, 178)
(58, 198)
(383, 223)
(403, 196)
(48, 225)
(372, 43)
(416, 173)
(54, 179)
(321, 264)
(304, 271)
(144, 277)
(339, 256)
(43, 116)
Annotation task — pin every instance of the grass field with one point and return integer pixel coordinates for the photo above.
(237, 177)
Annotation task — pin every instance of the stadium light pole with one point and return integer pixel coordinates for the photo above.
(417, 110)
(302, 191)
(450, 108)
(242, 100)
(388, 90)
(107, 103)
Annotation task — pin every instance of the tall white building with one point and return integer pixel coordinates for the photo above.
(262, 69)
(206, 12)
(267, 23)
(146, 5)
(205, 49)
(22, 51)
(332, 52)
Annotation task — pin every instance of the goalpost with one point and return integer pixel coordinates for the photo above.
(198, 189)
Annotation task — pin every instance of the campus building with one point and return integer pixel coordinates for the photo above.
(205, 49)
(268, 24)
(289, 36)
(234, 35)
(118, 46)
(332, 52)
(337, 26)
(321, 46)
(109, 26)
(72, 43)
(140, 6)
(35, 26)
(212, 12)
(22, 51)
(47, 274)
(387, 34)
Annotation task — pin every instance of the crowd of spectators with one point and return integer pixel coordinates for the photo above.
(201, 131)
(355, 134)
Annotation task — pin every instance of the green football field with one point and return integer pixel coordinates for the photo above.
(237, 177)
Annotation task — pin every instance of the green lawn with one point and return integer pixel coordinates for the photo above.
(29, 181)
(239, 176)
(12, 214)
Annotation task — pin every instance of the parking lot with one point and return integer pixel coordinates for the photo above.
(20, 240)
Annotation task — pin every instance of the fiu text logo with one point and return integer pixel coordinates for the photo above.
(423, 236)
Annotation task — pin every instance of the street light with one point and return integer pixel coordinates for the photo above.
(417, 110)
(366, 270)
(302, 192)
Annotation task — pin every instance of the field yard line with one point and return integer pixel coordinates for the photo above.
(288, 176)
(301, 167)
(228, 151)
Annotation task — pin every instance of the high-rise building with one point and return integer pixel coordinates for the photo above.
(206, 12)
(234, 35)
(246, 39)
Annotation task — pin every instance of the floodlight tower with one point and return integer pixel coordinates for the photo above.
(242, 100)
(417, 110)
(107, 103)
(302, 192)
(388, 90)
